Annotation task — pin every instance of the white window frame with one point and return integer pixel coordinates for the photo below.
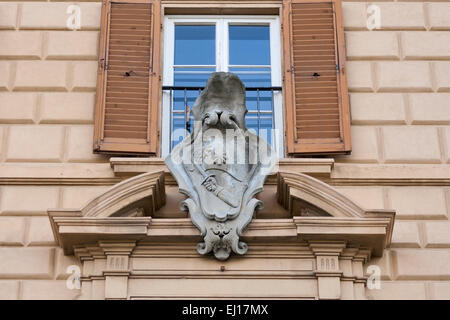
(221, 22)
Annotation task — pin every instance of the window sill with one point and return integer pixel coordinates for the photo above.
(127, 167)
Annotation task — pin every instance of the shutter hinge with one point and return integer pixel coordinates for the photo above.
(161, 26)
(96, 145)
(103, 64)
(337, 68)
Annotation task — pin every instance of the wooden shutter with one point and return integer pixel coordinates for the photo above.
(128, 83)
(315, 86)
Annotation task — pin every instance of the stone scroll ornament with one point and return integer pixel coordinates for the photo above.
(220, 167)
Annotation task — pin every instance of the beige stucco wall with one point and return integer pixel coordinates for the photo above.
(399, 83)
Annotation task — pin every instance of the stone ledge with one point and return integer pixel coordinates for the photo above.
(121, 214)
(73, 232)
(389, 174)
(134, 166)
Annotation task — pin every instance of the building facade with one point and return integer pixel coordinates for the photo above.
(357, 208)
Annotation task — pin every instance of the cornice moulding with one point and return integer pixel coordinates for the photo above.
(77, 231)
(117, 216)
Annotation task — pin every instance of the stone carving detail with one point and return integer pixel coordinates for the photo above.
(221, 166)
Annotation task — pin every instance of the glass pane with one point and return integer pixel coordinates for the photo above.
(195, 45)
(191, 77)
(249, 45)
(258, 100)
(253, 77)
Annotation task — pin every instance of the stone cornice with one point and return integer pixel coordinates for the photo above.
(123, 214)
(60, 174)
(365, 232)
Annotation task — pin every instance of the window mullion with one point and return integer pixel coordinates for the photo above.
(221, 46)
(226, 50)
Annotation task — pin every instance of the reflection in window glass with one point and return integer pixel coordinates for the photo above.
(253, 77)
(195, 45)
(249, 45)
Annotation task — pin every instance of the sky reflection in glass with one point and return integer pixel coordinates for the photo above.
(195, 45)
(249, 45)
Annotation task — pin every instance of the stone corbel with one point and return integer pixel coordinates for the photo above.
(348, 279)
(106, 269)
(339, 270)
(327, 270)
(359, 260)
(92, 279)
(117, 267)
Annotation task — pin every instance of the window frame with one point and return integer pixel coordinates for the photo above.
(222, 64)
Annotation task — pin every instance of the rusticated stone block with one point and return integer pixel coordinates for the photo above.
(41, 75)
(38, 199)
(9, 290)
(8, 15)
(411, 144)
(395, 290)
(430, 108)
(364, 145)
(371, 45)
(426, 45)
(80, 145)
(438, 13)
(418, 202)
(36, 15)
(26, 263)
(20, 45)
(377, 108)
(4, 75)
(17, 107)
(442, 72)
(414, 264)
(405, 235)
(40, 232)
(12, 231)
(359, 76)
(57, 107)
(401, 15)
(366, 197)
(72, 45)
(440, 290)
(35, 143)
(77, 197)
(48, 290)
(408, 76)
(84, 76)
(437, 234)
(354, 15)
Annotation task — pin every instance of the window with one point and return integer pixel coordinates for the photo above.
(196, 46)
(139, 110)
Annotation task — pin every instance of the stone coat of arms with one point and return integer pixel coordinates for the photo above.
(220, 167)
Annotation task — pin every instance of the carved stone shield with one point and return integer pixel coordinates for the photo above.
(221, 166)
